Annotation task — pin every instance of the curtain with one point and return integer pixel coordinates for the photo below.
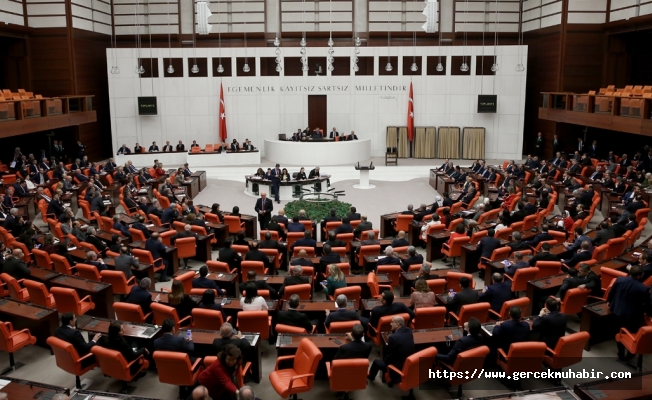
(392, 139)
(424, 142)
(403, 143)
(473, 143)
(448, 142)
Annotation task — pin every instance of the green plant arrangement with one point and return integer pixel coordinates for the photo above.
(316, 211)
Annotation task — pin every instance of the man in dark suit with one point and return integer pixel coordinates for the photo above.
(295, 279)
(168, 341)
(543, 255)
(584, 254)
(519, 264)
(140, 225)
(119, 226)
(306, 241)
(281, 218)
(276, 181)
(364, 225)
(295, 225)
(519, 215)
(124, 262)
(399, 347)
(400, 240)
(345, 227)
(97, 204)
(469, 341)
(20, 189)
(331, 217)
(342, 314)
(413, 258)
(631, 223)
(314, 173)
(579, 238)
(354, 215)
(511, 331)
(333, 242)
(356, 348)
(260, 284)
(155, 246)
(92, 239)
(140, 295)
(604, 234)
(463, 297)
(329, 257)
(256, 255)
(581, 278)
(170, 214)
(268, 243)
(301, 259)
(497, 293)
(551, 324)
(229, 336)
(488, 244)
(293, 317)
(388, 307)
(518, 244)
(389, 258)
(628, 300)
(274, 226)
(228, 255)
(204, 283)
(334, 133)
(68, 333)
(264, 208)
(632, 207)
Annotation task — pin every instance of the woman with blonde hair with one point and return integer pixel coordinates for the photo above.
(180, 301)
(422, 295)
(335, 280)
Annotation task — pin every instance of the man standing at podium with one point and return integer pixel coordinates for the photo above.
(264, 208)
(334, 133)
(276, 180)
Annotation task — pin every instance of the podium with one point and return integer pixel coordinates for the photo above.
(364, 177)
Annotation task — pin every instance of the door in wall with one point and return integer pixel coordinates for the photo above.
(317, 110)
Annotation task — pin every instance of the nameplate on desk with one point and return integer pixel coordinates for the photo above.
(373, 303)
(270, 304)
(50, 275)
(149, 331)
(285, 340)
(598, 309)
(539, 284)
(99, 287)
(92, 324)
(457, 332)
(42, 313)
(3, 302)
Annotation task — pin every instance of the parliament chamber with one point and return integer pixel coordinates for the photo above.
(277, 199)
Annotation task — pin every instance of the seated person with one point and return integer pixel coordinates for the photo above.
(293, 317)
(471, 340)
(342, 314)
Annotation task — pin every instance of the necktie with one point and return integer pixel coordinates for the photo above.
(263, 201)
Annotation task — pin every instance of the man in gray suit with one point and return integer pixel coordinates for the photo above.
(124, 262)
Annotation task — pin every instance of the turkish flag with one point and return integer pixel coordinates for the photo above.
(222, 116)
(410, 116)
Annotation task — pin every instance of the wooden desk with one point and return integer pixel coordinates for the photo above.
(143, 334)
(638, 387)
(204, 248)
(599, 322)
(251, 224)
(220, 230)
(201, 179)
(41, 321)
(142, 270)
(557, 393)
(315, 260)
(630, 257)
(542, 287)
(608, 205)
(441, 338)
(387, 224)
(471, 257)
(231, 307)
(41, 274)
(203, 341)
(369, 304)
(170, 252)
(434, 244)
(229, 282)
(444, 183)
(25, 206)
(319, 306)
(499, 266)
(191, 185)
(287, 344)
(97, 395)
(23, 389)
(101, 293)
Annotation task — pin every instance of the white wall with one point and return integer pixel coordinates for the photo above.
(188, 107)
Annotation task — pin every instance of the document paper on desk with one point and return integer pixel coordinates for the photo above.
(3, 383)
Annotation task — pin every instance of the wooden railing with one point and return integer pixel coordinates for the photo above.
(33, 115)
(619, 113)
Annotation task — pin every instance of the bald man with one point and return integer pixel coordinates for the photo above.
(264, 208)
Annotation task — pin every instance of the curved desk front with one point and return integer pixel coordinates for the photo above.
(317, 153)
(287, 190)
(229, 158)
